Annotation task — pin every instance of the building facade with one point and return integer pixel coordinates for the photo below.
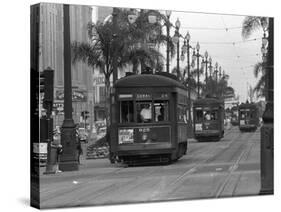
(47, 51)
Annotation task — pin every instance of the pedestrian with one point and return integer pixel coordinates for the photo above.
(79, 150)
(146, 113)
(57, 145)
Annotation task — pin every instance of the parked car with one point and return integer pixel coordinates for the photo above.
(83, 135)
(101, 132)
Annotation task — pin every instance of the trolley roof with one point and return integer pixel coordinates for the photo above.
(207, 102)
(147, 80)
(247, 105)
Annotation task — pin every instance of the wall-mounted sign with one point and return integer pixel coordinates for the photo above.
(125, 96)
(77, 95)
(98, 81)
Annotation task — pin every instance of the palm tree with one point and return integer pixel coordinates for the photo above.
(100, 52)
(251, 24)
(144, 37)
(130, 43)
(259, 89)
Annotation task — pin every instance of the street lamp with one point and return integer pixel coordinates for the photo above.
(194, 57)
(216, 71)
(168, 25)
(185, 49)
(175, 40)
(216, 77)
(132, 16)
(210, 67)
(220, 73)
(206, 62)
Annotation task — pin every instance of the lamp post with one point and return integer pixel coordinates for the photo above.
(205, 62)
(210, 67)
(196, 56)
(206, 70)
(175, 40)
(186, 49)
(168, 25)
(68, 159)
(216, 77)
(220, 83)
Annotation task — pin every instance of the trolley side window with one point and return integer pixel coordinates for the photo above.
(126, 111)
(182, 113)
(199, 115)
(144, 112)
(161, 111)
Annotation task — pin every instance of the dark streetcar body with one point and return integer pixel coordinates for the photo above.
(208, 119)
(234, 116)
(248, 117)
(137, 136)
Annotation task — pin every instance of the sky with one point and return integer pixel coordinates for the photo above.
(220, 35)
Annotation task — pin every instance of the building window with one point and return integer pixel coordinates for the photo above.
(102, 94)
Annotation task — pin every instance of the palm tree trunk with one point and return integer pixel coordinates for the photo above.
(135, 68)
(107, 100)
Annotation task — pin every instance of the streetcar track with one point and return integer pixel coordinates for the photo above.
(194, 168)
(119, 187)
(232, 169)
(100, 192)
(205, 161)
(134, 183)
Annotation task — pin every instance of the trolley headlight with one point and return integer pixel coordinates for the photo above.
(126, 136)
(144, 137)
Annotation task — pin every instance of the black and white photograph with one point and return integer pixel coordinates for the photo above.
(134, 104)
(140, 105)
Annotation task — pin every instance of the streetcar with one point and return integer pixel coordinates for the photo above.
(208, 119)
(148, 119)
(248, 117)
(234, 116)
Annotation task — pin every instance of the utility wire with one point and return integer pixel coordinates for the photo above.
(212, 28)
(229, 43)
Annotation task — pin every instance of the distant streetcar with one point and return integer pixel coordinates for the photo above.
(234, 116)
(149, 119)
(208, 119)
(248, 117)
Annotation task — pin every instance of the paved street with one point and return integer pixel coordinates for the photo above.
(230, 167)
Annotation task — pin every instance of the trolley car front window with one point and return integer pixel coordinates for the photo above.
(127, 112)
(206, 115)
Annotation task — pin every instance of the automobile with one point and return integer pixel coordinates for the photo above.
(83, 135)
(101, 132)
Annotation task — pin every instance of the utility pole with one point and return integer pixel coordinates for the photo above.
(267, 145)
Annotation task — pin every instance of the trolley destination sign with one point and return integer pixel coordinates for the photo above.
(144, 96)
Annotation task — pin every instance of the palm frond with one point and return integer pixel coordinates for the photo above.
(258, 68)
(251, 24)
